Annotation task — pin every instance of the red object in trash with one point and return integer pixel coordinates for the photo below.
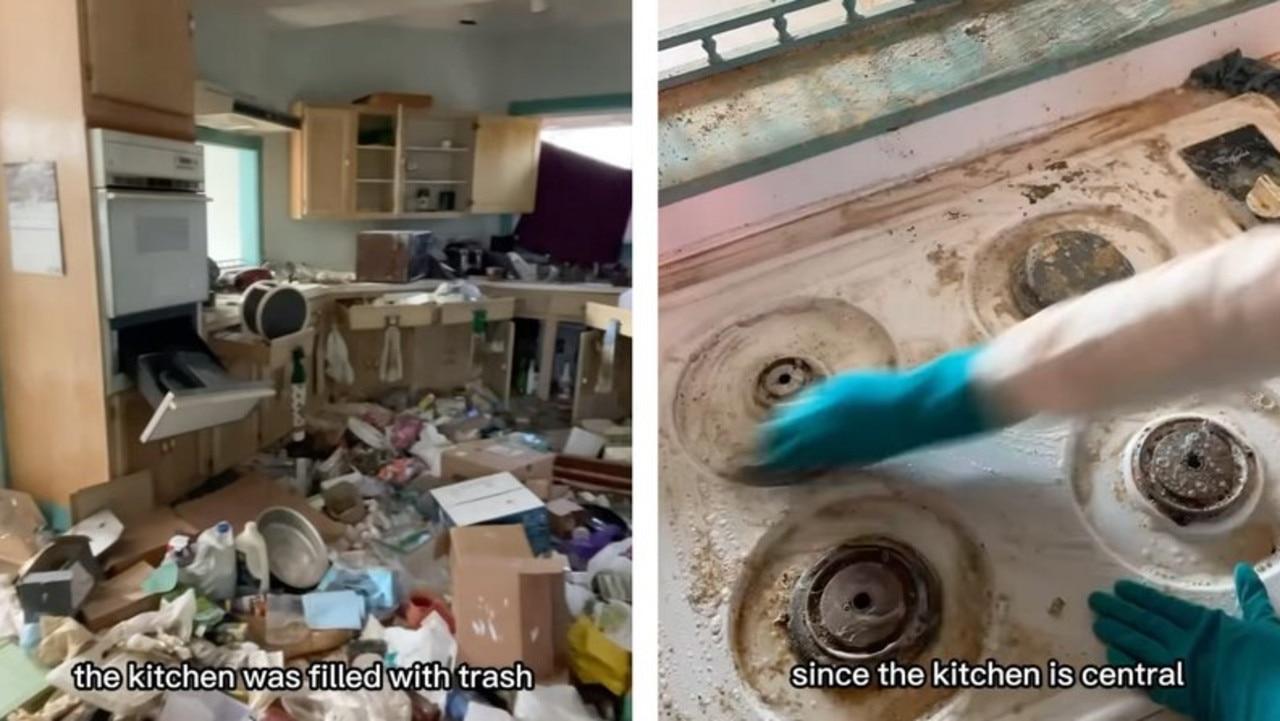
(421, 604)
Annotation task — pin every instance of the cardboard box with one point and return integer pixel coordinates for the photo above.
(499, 498)
(119, 598)
(475, 459)
(509, 541)
(509, 607)
(147, 528)
(564, 515)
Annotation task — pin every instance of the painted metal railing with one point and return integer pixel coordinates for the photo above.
(707, 31)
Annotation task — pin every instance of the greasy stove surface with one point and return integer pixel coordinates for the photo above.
(980, 550)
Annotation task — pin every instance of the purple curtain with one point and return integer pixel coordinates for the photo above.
(582, 210)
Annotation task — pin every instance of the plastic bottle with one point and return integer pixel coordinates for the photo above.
(213, 572)
(253, 547)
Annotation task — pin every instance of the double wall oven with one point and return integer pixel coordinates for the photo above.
(151, 223)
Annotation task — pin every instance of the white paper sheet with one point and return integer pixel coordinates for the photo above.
(35, 229)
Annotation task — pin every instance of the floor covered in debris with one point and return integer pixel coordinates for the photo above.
(399, 562)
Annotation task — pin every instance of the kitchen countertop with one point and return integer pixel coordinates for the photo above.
(226, 313)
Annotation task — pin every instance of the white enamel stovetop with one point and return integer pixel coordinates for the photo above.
(1018, 528)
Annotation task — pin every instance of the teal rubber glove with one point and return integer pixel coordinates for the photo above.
(862, 417)
(1232, 665)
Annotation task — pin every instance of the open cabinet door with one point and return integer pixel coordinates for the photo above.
(505, 176)
(604, 376)
(324, 173)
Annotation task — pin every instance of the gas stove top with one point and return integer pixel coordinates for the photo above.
(980, 550)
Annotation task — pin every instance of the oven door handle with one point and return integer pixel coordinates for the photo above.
(175, 197)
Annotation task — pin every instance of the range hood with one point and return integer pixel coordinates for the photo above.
(221, 109)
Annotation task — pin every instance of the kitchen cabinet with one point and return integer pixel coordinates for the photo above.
(366, 162)
(322, 163)
(177, 464)
(604, 364)
(138, 58)
(506, 165)
(66, 67)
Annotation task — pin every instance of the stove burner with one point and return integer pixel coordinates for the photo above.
(1064, 265)
(865, 602)
(1191, 469)
(783, 379)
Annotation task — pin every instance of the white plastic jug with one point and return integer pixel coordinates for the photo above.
(213, 572)
(253, 547)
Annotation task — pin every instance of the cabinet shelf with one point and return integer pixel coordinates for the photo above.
(345, 165)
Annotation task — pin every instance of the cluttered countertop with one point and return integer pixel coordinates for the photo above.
(225, 311)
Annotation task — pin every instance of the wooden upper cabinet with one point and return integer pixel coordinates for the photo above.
(139, 56)
(361, 162)
(323, 175)
(505, 175)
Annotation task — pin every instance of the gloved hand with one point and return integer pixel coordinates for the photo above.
(861, 417)
(1232, 665)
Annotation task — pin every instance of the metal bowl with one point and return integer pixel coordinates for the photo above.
(296, 553)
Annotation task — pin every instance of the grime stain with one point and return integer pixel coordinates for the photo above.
(1159, 151)
(1036, 193)
(948, 269)
(759, 641)
(717, 409)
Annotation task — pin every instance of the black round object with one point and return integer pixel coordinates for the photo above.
(599, 517)
(1064, 265)
(868, 601)
(272, 310)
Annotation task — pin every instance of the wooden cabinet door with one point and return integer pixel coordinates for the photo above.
(323, 169)
(177, 464)
(140, 52)
(505, 176)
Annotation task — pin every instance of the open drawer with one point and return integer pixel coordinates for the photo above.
(494, 309)
(602, 317)
(376, 316)
(234, 346)
(182, 378)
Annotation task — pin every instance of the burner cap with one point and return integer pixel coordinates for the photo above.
(784, 378)
(1064, 265)
(1192, 469)
(865, 602)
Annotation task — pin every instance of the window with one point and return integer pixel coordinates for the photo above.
(232, 179)
(603, 136)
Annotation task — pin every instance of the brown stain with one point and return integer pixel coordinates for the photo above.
(716, 408)
(691, 265)
(948, 269)
(1159, 151)
(761, 648)
(1036, 193)
(708, 573)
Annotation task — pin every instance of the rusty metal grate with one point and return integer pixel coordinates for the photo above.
(847, 16)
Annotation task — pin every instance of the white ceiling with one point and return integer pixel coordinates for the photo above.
(489, 15)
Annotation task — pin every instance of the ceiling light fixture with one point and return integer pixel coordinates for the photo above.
(538, 6)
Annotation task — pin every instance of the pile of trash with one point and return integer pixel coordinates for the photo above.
(407, 561)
